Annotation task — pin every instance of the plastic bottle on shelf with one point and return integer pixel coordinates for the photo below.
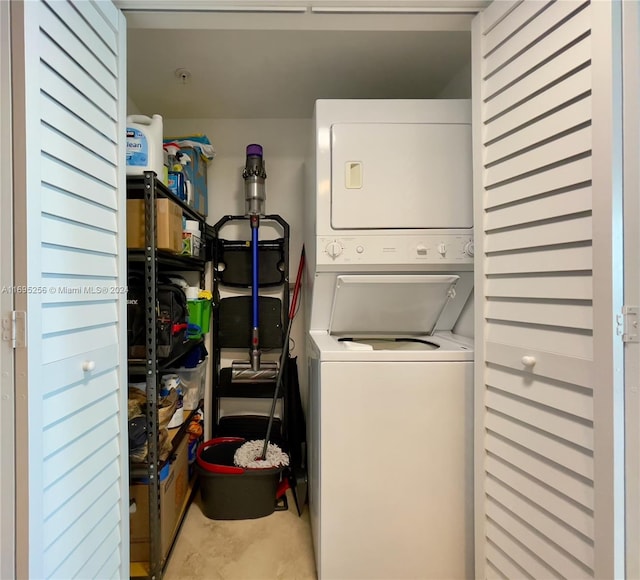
(144, 145)
(177, 179)
(191, 237)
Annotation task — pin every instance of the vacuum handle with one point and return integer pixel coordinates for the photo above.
(255, 278)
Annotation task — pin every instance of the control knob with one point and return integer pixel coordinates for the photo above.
(334, 249)
(442, 248)
(468, 249)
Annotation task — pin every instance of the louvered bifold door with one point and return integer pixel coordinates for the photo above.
(544, 499)
(69, 104)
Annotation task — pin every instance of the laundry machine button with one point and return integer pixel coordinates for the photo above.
(359, 249)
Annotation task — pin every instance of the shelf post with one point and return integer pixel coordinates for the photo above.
(151, 282)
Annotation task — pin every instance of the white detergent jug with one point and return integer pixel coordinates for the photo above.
(144, 145)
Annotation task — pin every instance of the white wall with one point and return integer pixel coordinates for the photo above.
(132, 108)
(459, 87)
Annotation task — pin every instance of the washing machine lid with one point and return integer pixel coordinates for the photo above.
(390, 303)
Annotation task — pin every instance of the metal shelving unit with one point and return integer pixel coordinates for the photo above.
(153, 261)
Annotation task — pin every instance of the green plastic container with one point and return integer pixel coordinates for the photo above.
(199, 314)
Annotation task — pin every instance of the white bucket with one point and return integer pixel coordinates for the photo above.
(144, 145)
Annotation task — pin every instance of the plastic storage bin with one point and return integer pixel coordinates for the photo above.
(192, 381)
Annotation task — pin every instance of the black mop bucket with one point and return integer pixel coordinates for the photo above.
(233, 493)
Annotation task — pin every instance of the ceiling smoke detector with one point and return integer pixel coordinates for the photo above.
(183, 75)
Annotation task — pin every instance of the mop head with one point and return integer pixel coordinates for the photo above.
(248, 456)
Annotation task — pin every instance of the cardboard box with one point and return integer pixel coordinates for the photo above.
(173, 492)
(168, 225)
(196, 172)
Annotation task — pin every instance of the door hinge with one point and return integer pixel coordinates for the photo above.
(628, 323)
(14, 329)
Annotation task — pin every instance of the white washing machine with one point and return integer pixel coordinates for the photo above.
(390, 269)
(391, 435)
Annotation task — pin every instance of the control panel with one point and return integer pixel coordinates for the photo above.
(396, 250)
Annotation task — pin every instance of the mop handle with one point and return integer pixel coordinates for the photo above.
(285, 352)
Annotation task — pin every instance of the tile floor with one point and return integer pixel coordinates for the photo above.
(276, 547)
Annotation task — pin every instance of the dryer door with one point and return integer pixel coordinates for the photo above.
(396, 176)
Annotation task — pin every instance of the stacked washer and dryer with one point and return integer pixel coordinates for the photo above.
(389, 244)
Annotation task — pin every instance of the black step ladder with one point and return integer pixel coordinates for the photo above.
(232, 272)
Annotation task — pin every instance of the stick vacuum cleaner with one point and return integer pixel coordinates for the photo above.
(254, 175)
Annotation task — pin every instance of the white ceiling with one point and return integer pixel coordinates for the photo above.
(279, 73)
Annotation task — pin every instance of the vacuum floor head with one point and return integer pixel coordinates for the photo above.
(241, 372)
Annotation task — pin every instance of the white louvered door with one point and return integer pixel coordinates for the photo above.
(548, 383)
(69, 112)
(631, 98)
(7, 398)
